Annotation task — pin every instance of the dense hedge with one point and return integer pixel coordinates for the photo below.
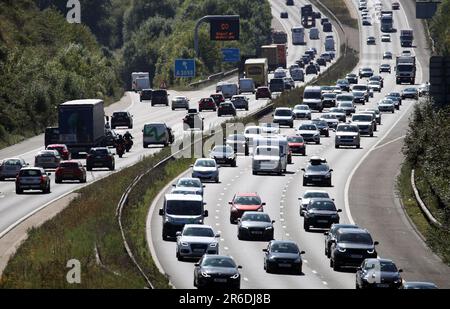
(440, 28)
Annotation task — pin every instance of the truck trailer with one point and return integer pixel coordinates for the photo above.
(405, 70)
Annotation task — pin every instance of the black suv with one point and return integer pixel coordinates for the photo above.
(160, 97)
(378, 273)
(99, 158)
(351, 247)
(322, 126)
(317, 171)
(226, 108)
(146, 95)
(330, 236)
(320, 213)
(121, 119)
(193, 120)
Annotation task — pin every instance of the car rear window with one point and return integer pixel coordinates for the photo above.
(30, 173)
(69, 165)
(159, 93)
(99, 152)
(12, 163)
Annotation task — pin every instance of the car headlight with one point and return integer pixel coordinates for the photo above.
(260, 209)
(340, 249)
(235, 276)
(269, 228)
(184, 244)
(200, 221)
(213, 244)
(306, 176)
(316, 135)
(338, 137)
(244, 227)
(298, 260)
(354, 137)
(167, 219)
(371, 251)
(328, 175)
(204, 274)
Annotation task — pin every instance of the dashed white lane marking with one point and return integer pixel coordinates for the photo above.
(222, 239)
(325, 283)
(226, 248)
(217, 210)
(217, 217)
(281, 206)
(287, 234)
(281, 219)
(281, 213)
(314, 272)
(221, 194)
(245, 279)
(284, 226)
(228, 184)
(219, 205)
(217, 224)
(306, 261)
(2, 196)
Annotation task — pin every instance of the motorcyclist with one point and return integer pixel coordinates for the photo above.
(120, 144)
(128, 141)
(127, 136)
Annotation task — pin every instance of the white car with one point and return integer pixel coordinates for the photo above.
(346, 102)
(188, 186)
(309, 132)
(284, 116)
(308, 195)
(206, 169)
(375, 85)
(331, 120)
(270, 128)
(195, 240)
(386, 38)
(251, 132)
(279, 73)
(302, 111)
(267, 159)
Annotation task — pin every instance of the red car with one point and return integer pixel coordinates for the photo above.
(70, 170)
(62, 150)
(297, 144)
(218, 98)
(243, 202)
(263, 93)
(207, 103)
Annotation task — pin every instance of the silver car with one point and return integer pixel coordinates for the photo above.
(308, 195)
(347, 135)
(195, 240)
(309, 132)
(188, 186)
(180, 102)
(386, 105)
(206, 169)
(9, 168)
(48, 159)
(302, 111)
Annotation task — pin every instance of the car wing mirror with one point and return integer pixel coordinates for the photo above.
(217, 235)
(326, 233)
(400, 270)
(178, 234)
(239, 267)
(161, 212)
(264, 204)
(339, 210)
(303, 169)
(197, 264)
(206, 214)
(265, 250)
(302, 252)
(376, 243)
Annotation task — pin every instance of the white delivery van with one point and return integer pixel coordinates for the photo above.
(314, 34)
(229, 90)
(143, 83)
(157, 133)
(266, 159)
(275, 141)
(246, 85)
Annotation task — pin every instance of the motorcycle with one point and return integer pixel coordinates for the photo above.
(128, 144)
(120, 150)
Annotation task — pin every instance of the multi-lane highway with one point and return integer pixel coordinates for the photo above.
(14, 208)
(281, 193)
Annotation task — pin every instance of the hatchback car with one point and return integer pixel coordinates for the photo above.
(343, 84)
(378, 273)
(100, 157)
(320, 213)
(386, 105)
(410, 93)
(365, 72)
(317, 172)
(224, 154)
(307, 196)
(386, 38)
(387, 55)
(180, 102)
(284, 15)
(371, 40)
(70, 170)
(255, 225)
(48, 159)
(329, 99)
(284, 116)
(226, 108)
(340, 113)
(9, 168)
(240, 102)
(121, 119)
(195, 240)
(331, 120)
(297, 144)
(263, 93)
(283, 255)
(207, 104)
(193, 121)
(206, 169)
(309, 132)
(347, 106)
(243, 202)
(218, 98)
(352, 78)
(239, 143)
(302, 111)
(160, 97)
(146, 95)
(385, 68)
(188, 186)
(330, 236)
(322, 126)
(32, 178)
(217, 271)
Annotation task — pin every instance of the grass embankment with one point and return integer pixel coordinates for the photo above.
(340, 10)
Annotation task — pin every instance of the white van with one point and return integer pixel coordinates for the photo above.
(179, 210)
(312, 96)
(139, 81)
(266, 159)
(157, 134)
(275, 141)
(229, 90)
(298, 75)
(314, 34)
(246, 85)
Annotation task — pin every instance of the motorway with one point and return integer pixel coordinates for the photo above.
(281, 194)
(14, 208)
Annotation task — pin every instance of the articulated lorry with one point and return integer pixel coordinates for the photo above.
(406, 38)
(81, 125)
(405, 70)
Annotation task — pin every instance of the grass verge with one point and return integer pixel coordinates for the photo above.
(437, 239)
(340, 10)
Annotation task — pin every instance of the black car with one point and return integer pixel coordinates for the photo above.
(385, 68)
(146, 95)
(239, 143)
(277, 85)
(321, 61)
(317, 172)
(193, 121)
(284, 15)
(283, 255)
(394, 99)
(289, 2)
(255, 225)
(330, 236)
(226, 108)
(343, 84)
(329, 99)
(217, 271)
(351, 247)
(352, 78)
(223, 155)
(320, 213)
(160, 97)
(322, 125)
(311, 69)
(378, 273)
(121, 119)
(100, 157)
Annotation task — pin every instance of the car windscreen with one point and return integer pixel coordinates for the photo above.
(159, 93)
(184, 208)
(328, 116)
(346, 104)
(223, 150)
(190, 183)
(360, 87)
(322, 205)
(205, 163)
(347, 129)
(312, 95)
(320, 123)
(12, 162)
(388, 102)
(120, 114)
(301, 107)
(283, 112)
(329, 96)
(295, 139)
(344, 98)
(308, 127)
(395, 94)
(30, 173)
(337, 110)
(256, 217)
(318, 168)
(284, 248)
(198, 231)
(362, 118)
(98, 152)
(359, 238)
(404, 67)
(247, 200)
(316, 194)
(69, 165)
(218, 262)
(47, 154)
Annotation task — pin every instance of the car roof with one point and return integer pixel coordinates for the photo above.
(56, 145)
(184, 197)
(32, 168)
(380, 260)
(201, 226)
(255, 213)
(283, 242)
(315, 191)
(353, 231)
(321, 199)
(247, 194)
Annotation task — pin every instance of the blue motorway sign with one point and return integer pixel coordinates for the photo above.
(231, 54)
(184, 68)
